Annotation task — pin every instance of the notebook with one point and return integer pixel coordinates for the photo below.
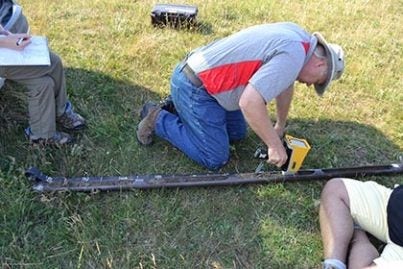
(36, 53)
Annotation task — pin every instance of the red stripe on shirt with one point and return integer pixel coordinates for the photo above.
(229, 76)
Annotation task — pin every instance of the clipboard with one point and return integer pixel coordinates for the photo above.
(36, 53)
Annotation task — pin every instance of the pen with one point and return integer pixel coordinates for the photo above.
(19, 41)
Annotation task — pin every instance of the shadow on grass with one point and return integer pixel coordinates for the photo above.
(333, 144)
(108, 145)
(110, 106)
(265, 226)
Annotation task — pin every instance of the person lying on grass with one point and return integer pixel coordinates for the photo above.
(348, 210)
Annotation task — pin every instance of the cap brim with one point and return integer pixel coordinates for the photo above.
(321, 88)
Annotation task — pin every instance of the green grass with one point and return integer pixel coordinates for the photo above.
(115, 61)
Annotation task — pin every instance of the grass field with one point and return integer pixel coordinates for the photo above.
(115, 61)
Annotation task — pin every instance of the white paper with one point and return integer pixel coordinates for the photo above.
(36, 53)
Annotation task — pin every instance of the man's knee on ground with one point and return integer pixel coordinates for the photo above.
(214, 161)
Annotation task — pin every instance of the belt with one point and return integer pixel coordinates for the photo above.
(190, 74)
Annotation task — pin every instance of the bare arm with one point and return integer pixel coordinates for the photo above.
(254, 109)
(283, 103)
(10, 41)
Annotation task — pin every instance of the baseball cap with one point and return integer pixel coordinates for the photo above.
(335, 63)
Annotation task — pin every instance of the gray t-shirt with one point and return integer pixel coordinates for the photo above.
(268, 56)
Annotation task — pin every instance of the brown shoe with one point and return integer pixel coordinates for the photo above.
(58, 139)
(71, 120)
(146, 127)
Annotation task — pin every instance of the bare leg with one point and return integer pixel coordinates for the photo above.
(336, 223)
(362, 252)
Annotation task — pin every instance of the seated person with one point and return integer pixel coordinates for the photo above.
(46, 85)
(348, 210)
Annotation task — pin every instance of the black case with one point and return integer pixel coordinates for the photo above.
(173, 15)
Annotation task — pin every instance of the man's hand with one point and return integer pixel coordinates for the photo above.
(254, 110)
(15, 41)
(277, 155)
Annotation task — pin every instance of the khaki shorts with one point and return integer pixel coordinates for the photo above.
(368, 202)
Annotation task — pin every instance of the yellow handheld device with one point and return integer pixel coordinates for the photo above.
(297, 149)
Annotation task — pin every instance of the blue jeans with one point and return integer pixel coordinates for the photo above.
(202, 129)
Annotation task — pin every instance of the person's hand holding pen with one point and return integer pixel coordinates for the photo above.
(15, 41)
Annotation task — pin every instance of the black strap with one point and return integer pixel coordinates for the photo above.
(395, 216)
(190, 74)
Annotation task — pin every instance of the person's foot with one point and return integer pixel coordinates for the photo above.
(146, 127)
(71, 120)
(58, 139)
